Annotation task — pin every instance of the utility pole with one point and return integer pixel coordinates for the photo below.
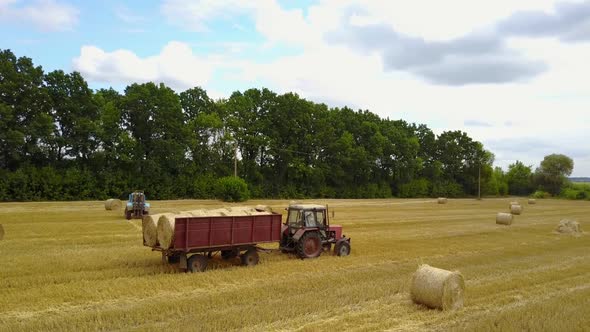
(236, 161)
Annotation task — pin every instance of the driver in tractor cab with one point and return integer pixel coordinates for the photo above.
(309, 218)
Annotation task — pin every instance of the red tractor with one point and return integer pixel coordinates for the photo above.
(307, 232)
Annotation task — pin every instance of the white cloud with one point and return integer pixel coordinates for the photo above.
(527, 119)
(176, 65)
(46, 15)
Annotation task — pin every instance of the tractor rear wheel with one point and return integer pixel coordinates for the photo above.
(250, 257)
(229, 254)
(197, 263)
(342, 248)
(309, 245)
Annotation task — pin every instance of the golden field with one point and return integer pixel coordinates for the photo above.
(74, 266)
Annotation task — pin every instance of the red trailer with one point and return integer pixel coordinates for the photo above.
(197, 238)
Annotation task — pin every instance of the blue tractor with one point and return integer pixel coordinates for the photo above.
(136, 206)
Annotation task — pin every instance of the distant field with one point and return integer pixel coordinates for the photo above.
(75, 266)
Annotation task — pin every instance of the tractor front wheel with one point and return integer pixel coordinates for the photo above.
(127, 214)
(309, 245)
(342, 248)
(197, 263)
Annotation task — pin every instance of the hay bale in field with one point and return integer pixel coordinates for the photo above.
(504, 218)
(516, 209)
(442, 200)
(149, 228)
(437, 288)
(112, 204)
(532, 201)
(513, 203)
(1, 232)
(567, 226)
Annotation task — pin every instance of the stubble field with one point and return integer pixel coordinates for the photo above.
(74, 266)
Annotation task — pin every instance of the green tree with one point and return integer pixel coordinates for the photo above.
(552, 174)
(519, 178)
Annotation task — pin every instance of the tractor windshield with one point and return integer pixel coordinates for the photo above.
(294, 219)
(306, 218)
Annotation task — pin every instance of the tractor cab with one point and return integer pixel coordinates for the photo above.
(307, 232)
(306, 216)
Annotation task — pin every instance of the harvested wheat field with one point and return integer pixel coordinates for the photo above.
(74, 266)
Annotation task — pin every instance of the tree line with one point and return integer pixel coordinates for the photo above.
(61, 140)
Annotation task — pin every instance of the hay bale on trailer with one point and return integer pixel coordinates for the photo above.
(112, 204)
(532, 201)
(166, 224)
(567, 226)
(442, 200)
(263, 208)
(1, 232)
(516, 209)
(504, 218)
(149, 228)
(437, 288)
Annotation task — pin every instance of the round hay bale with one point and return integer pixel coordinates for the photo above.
(532, 201)
(567, 226)
(112, 204)
(166, 224)
(149, 227)
(504, 218)
(442, 200)
(437, 288)
(516, 209)
(216, 212)
(1, 232)
(262, 208)
(197, 213)
(513, 203)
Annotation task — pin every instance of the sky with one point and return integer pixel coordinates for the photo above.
(514, 75)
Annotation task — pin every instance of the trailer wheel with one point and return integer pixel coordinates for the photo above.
(229, 254)
(309, 245)
(250, 257)
(197, 263)
(342, 248)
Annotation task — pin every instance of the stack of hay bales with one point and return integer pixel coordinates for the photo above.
(1, 232)
(567, 226)
(504, 218)
(532, 201)
(149, 226)
(167, 221)
(442, 200)
(437, 288)
(112, 204)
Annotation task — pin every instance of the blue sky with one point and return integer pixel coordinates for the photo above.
(513, 75)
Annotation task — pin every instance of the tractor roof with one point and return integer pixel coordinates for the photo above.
(307, 206)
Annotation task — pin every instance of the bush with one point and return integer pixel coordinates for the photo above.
(576, 191)
(414, 188)
(541, 194)
(447, 189)
(232, 189)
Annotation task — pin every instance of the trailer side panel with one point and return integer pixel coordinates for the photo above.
(219, 231)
